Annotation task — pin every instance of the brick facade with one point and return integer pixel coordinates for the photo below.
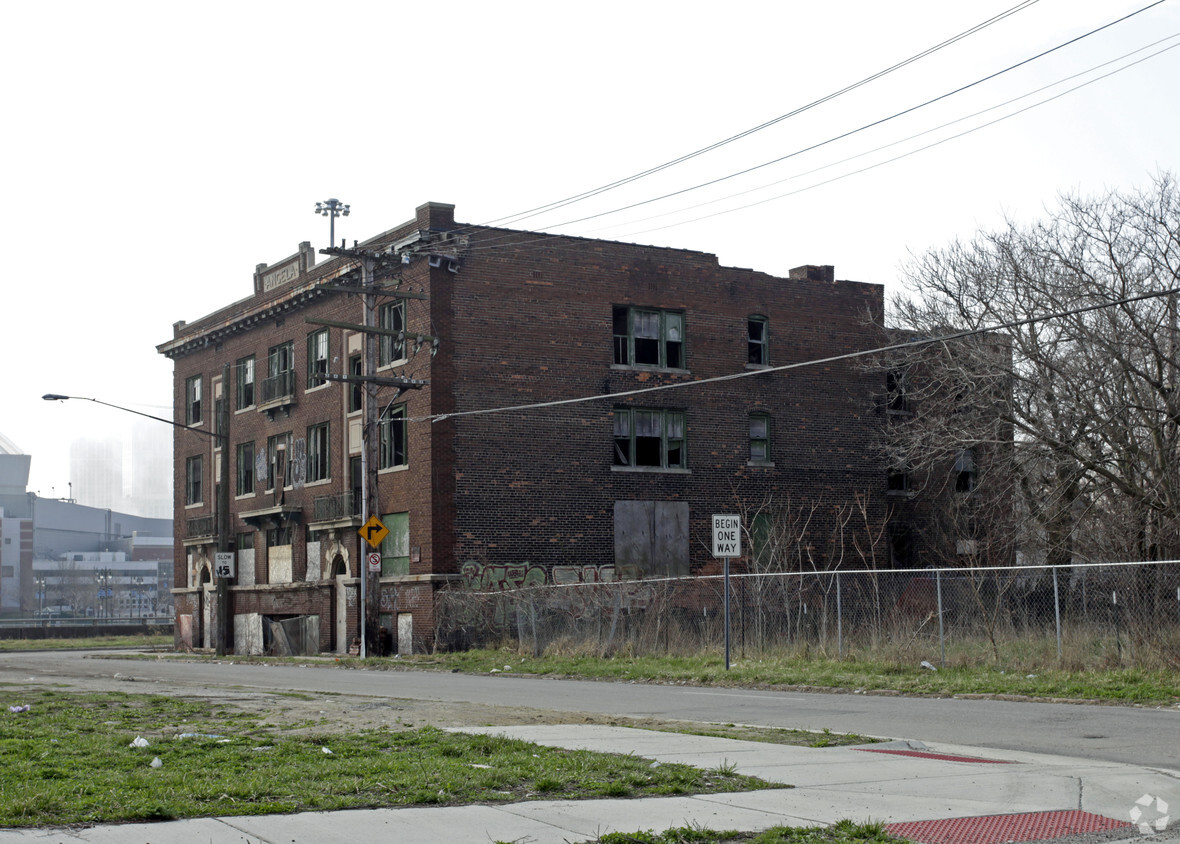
(521, 318)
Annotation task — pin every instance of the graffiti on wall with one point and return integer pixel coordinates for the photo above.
(497, 578)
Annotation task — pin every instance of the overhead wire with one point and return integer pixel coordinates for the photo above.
(910, 152)
(863, 127)
(509, 219)
(915, 136)
(510, 237)
(734, 376)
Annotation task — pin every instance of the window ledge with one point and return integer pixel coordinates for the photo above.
(658, 470)
(317, 387)
(645, 368)
(757, 366)
(244, 497)
(761, 464)
(194, 505)
(389, 469)
(393, 364)
(245, 409)
(899, 493)
(320, 482)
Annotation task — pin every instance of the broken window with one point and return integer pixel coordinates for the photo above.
(192, 400)
(965, 471)
(758, 340)
(245, 468)
(896, 391)
(392, 317)
(647, 337)
(317, 452)
(244, 381)
(278, 450)
(280, 368)
(317, 358)
(391, 439)
(356, 390)
(760, 438)
(193, 467)
(897, 480)
(652, 438)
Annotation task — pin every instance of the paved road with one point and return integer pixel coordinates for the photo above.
(1144, 737)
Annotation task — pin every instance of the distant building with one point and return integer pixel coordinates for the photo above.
(96, 472)
(41, 539)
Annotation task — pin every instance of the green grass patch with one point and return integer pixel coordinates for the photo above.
(842, 832)
(1114, 685)
(147, 640)
(68, 760)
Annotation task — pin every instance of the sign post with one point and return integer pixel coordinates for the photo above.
(727, 544)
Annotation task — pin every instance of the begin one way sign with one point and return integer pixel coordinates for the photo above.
(727, 536)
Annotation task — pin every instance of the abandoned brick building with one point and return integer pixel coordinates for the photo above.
(472, 319)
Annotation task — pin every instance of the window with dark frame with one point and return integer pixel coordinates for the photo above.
(317, 452)
(392, 317)
(391, 439)
(356, 390)
(244, 459)
(244, 382)
(760, 438)
(317, 358)
(278, 456)
(648, 337)
(897, 480)
(652, 438)
(897, 391)
(280, 368)
(193, 467)
(965, 475)
(758, 340)
(192, 400)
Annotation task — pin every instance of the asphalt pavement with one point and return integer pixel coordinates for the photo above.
(1000, 792)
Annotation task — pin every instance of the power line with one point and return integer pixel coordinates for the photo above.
(862, 128)
(494, 243)
(910, 152)
(561, 203)
(910, 344)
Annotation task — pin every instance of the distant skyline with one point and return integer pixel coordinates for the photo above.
(151, 171)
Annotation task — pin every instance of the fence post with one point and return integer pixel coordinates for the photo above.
(941, 639)
(839, 621)
(1057, 612)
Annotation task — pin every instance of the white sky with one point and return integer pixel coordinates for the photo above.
(154, 153)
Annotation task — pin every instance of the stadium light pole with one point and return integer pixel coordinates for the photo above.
(221, 435)
(331, 208)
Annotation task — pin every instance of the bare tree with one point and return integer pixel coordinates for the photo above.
(1078, 410)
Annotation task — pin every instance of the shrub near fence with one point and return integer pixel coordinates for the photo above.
(1026, 618)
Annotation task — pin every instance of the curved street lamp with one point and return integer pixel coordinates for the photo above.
(221, 434)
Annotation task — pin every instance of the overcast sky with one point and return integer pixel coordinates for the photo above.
(154, 153)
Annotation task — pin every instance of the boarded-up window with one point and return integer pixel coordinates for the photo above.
(651, 539)
(395, 548)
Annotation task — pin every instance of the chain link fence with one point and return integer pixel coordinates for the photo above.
(1024, 618)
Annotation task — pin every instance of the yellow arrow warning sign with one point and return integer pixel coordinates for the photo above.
(373, 531)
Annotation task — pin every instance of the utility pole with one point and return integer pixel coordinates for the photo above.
(371, 264)
(224, 630)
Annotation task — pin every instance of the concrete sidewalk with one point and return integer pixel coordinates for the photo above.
(900, 781)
